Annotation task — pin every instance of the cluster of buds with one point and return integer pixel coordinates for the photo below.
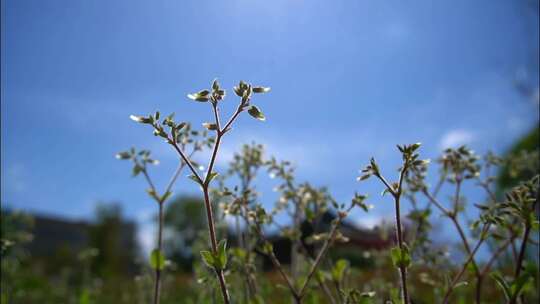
(213, 96)
(460, 163)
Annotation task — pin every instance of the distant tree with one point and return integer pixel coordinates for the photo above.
(524, 162)
(114, 238)
(184, 219)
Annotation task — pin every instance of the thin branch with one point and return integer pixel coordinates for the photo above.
(277, 264)
(320, 256)
(383, 180)
(233, 117)
(434, 201)
(495, 255)
(467, 261)
(186, 160)
(177, 173)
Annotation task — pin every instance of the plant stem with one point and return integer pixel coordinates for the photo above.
(213, 241)
(396, 193)
(321, 283)
(157, 284)
(205, 186)
(521, 256)
(160, 201)
(522, 251)
(402, 269)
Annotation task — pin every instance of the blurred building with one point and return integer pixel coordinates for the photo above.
(59, 241)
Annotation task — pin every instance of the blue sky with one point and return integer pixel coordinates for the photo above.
(350, 79)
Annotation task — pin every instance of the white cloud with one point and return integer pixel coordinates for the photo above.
(370, 221)
(146, 238)
(454, 138)
(146, 232)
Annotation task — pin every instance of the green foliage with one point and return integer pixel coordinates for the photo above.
(400, 257)
(157, 259)
(255, 112)
(216, 260)
(339, 270)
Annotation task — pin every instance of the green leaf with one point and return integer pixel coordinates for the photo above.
(152, 193)
(123, 155)
(535, 224)
(211, 176)
(395, 254)
(136, 170)
(194, 178)
(215, 85)
(256, 113)
(363, 177)
(208, 258)
(221, 258)
(140, 119)
(261, 89)
(180, 126)
(238, 91)
(201, 96)
(339, 270)
(400, 257)
(521, 282)
(166, 196)
(84, 298)
(268, 247)
(210, 126)
(502, 284)
(415, 146)
(157, 260)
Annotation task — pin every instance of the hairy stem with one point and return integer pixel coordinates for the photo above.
(396, 193)
(213, 242)
(157, 284)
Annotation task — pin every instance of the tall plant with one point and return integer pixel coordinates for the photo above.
(216, 257)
